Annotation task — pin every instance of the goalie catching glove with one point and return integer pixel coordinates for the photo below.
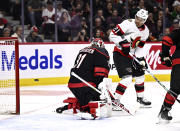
(165, 59)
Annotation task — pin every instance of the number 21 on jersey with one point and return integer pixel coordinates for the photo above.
(79, 60)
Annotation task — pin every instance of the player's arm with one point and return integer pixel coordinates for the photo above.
(139, 53)
(117, 33)
(167, 42)
(101, 65)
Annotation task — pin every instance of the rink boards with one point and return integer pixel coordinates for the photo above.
(50, 63)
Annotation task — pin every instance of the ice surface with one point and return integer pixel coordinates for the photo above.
(38, 105)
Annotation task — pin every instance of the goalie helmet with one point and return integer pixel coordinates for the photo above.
(142, 14)
(98, 42)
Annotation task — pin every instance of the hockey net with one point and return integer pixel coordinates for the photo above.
(9, 76)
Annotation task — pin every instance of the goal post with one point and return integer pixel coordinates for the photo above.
(9, 76)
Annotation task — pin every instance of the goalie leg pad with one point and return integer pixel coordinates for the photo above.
(72, 104)
(100, 109)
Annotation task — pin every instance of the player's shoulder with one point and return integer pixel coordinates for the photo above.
(87, 49)
(128, 21)
(144, 29)
(102, 51)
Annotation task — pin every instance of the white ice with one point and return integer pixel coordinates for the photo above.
(39, 102)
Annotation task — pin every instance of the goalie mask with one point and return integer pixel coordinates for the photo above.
(98, 42)
(143, 14)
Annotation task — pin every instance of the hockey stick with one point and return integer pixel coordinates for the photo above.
(115, 103)
(169, 91)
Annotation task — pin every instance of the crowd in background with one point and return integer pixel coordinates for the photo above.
(73, 18)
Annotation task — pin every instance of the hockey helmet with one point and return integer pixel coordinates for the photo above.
(142, 13)
(98, 42)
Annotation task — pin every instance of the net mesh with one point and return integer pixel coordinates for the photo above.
(7, 76)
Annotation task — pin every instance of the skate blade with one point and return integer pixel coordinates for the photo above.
(145, 106)
(163, 122)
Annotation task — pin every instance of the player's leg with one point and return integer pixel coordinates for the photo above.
(139, 77)
(169, 100)
(123, 66)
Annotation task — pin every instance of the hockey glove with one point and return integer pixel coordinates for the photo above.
(143, 65)
(125, 46)
(165, 59)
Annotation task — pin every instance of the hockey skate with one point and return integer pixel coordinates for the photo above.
(144, 103)
(164, 115)
(61, 109)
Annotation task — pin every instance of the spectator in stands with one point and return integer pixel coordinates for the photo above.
(150, 23)
(160, 17)
(60, 10)
(86, 11)
(18, 34)
(84, 24)
(167, 31)
(33, 36)
(6, 32)
(76, 23)
(155, 13)
(82, 36)
(176, 10)
(16, 9)
(113, 20)
(98, 4)
(68, 4)
(159, 30)
(35, 8)
(3, 23)
(108, 9)
(106, 37)
(98, 24)
(151, 37)
(175, 25)
(48, 20)
(141, 5)
(99, 34)
(100, 15)
(64, 27)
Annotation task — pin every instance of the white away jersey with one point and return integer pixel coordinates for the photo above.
(127, 30)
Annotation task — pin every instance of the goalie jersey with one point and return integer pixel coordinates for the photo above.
(128, 30)
(91, 64)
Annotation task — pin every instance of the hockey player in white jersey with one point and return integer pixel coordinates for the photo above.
(130, 36)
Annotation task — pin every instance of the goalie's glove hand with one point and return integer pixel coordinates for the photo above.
(165, 59)
(125, 45)
(141, 66)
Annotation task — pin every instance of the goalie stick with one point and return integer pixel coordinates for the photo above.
(169, 91)
(115, 103)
